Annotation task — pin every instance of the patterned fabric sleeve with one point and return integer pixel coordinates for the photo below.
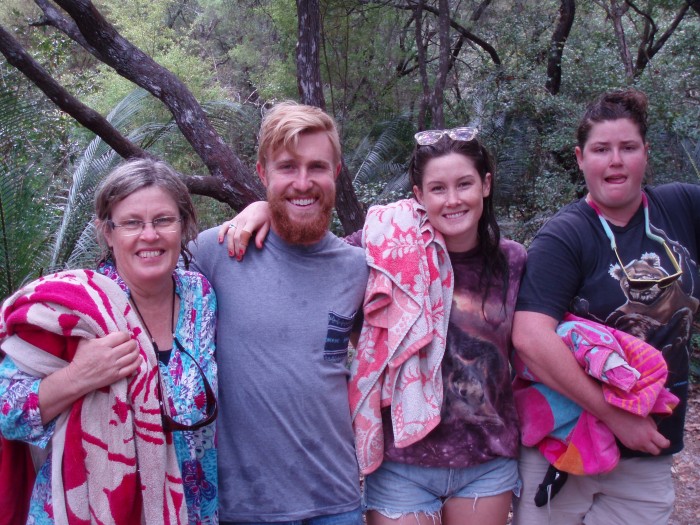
(196, 450)
(195, 332)
(20, 417)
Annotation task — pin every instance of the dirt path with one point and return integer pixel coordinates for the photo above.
(686, 467)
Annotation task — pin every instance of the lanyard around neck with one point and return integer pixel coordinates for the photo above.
(608, 231)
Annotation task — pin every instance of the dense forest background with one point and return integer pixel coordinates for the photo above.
(84, 84)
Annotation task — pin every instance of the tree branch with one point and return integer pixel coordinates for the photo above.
(647, 47)
(52, 17)
(479, 10)
(91, 119)
(616, 13)
(209, 186)
(133, 64)
(412, 5)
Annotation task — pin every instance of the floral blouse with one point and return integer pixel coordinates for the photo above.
(20, 418)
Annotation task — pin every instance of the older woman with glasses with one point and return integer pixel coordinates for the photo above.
(430, 390)
(109, 375)
(625, 256)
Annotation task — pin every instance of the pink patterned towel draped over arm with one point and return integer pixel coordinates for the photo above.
(633, 376)
(406, 312)
(112, 462)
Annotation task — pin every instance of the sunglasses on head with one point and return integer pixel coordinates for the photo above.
(641, 285)
(169, 423)
(431, 136)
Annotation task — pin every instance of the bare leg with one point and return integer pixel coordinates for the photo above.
(489, 510)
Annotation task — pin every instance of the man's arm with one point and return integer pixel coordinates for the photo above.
(545, 354)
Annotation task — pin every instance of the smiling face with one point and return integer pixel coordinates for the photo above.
(301, 188)
(145, 260)
(453, 195)
(613, 161)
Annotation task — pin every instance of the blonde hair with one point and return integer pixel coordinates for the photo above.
(284, 122)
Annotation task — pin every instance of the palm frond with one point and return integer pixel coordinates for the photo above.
(96, 160)
(386, 146)
(25, 220)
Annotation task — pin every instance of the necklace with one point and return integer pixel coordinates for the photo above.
(148, 332)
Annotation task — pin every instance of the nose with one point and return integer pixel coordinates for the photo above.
(149, 231)
(616, 157)
(303, 182)
(453, 197)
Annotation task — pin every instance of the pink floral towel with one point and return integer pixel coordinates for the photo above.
(407, 308)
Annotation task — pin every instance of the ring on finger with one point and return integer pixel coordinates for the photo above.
(231, 226)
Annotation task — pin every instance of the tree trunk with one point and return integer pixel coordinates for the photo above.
(556, 48)
(347, 206)
(616, 12)
(421, 46)
(308, 52)
(437, 100)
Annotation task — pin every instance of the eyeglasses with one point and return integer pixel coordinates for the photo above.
(169, 423)
(132, 227)
(431, 136)
(641, 285)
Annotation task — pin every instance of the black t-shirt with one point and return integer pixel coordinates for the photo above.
(572, 267)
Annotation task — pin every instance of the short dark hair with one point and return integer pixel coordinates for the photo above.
(629, 103)
(135, 175)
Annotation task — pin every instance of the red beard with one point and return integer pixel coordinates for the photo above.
(306, 231)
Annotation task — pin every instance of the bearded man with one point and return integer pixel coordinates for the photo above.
(286, 313)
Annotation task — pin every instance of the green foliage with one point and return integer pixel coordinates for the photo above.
(238, 56)
(73, 243)
(28, 210)
(23, 226)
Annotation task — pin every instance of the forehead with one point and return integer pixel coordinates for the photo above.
(449, 167)
(314, 146)
(617, 130)
(152, 199)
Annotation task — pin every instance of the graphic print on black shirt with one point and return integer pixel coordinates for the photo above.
(661, 316)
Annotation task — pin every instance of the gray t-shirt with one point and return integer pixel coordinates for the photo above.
(284, 431)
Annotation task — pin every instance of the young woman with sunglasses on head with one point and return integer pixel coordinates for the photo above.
(435, 422)
(625, 256)
(110, 374)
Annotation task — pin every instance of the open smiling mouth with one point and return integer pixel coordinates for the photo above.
(150, 253)
(307, 201)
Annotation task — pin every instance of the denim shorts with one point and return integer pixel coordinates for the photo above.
(396, 488)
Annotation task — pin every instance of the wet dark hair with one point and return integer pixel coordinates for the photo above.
(488, 232)
(630, 103)
(132, 176)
